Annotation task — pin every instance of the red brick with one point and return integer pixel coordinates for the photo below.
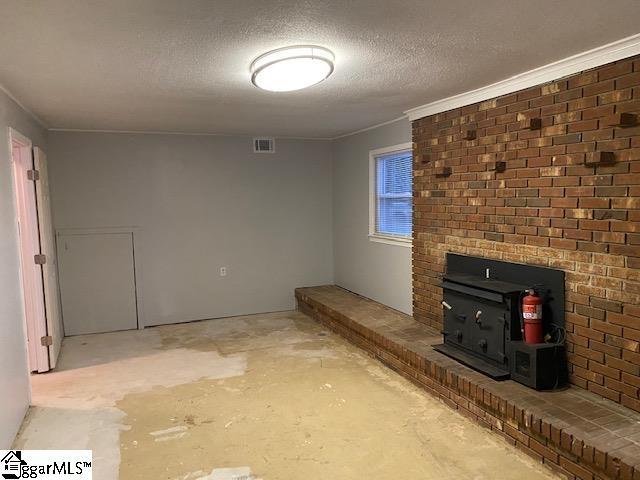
(546, 208)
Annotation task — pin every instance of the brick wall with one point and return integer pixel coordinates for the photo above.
(546, 208)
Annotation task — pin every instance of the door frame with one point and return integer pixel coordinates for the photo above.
(31, 281)
(137, 263)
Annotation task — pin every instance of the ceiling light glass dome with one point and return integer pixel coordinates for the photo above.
(292, 68)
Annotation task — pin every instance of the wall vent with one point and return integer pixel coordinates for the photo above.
(264, 145)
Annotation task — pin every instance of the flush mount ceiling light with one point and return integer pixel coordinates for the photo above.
(292, 68)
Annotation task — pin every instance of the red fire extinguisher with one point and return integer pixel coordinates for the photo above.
(532, 315)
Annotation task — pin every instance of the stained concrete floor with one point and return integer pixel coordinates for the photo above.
(268, 397)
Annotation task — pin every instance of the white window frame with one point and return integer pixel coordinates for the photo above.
(373, 235)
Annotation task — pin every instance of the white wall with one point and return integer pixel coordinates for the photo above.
(14, 377)
(378, 271)
(203, 202)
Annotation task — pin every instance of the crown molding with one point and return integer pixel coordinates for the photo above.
(596, 57)
(160, 132)
(372, 127)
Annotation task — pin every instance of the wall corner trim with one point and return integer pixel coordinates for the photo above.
(618, 50)
(28, 111)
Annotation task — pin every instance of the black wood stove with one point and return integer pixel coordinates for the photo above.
(483, 324)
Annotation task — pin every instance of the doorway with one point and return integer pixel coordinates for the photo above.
(37, 254)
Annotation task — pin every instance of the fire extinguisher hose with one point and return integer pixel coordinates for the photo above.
(520, 316)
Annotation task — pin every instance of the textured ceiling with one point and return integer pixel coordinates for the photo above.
(182, 65)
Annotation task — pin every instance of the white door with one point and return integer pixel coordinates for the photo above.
(97, 282)
(48, 249)
(31, 269)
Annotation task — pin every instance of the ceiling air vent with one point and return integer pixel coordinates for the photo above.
(264, 145)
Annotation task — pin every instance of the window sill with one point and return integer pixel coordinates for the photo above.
(391, 240)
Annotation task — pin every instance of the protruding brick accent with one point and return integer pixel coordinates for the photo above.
(547, 208)
(442, 171)
(470, 135)
(593, 159)
(623, 120)
(499, 166)
(529, 124)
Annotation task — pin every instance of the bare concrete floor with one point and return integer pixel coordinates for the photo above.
(266, 397)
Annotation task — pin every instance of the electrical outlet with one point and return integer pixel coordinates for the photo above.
(223, 271)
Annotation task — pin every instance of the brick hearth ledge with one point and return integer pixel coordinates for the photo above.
(574, 432)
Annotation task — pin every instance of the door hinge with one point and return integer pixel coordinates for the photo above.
(46, 341)
(33, 175)
(40, 259)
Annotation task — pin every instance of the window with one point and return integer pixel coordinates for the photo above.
(390, 197)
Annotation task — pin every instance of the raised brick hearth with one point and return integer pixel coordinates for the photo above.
(575, 432)
(550, 176)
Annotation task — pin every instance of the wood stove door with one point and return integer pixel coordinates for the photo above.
(458, 320)
(488, 330)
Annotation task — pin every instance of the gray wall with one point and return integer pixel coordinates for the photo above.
(203, 202)
(376, 270)
(14, 376)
